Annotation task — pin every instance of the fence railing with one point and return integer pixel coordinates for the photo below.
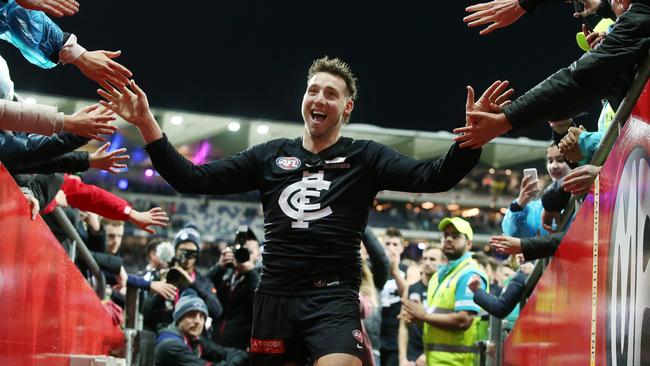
(79, 249)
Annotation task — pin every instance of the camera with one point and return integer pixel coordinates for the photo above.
(174, 276)
(240, 252)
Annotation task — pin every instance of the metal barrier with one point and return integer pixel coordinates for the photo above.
(82, 251)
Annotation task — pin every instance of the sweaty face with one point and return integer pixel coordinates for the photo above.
(325, 105)
(555, 165)
(114, 235)
(191, 324)
(454, 243)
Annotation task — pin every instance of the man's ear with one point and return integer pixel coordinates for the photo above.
(349, 106)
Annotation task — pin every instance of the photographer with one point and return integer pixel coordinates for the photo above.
(157, 311)
(236, 279)
(184, 344)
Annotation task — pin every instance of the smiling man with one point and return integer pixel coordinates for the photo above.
(316, 191)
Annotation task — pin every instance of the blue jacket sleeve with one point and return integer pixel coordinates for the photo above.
(137, 281)
(37, 37)
(588, 143)
(525, 223)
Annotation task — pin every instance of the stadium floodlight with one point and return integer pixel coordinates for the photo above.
(234, 126)
(177, 120)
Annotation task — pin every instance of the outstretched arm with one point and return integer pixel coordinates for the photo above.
(397, 172)
(502, 13)
(234, 174)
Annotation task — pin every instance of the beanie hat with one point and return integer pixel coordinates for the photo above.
(190, 233)
(189, 301)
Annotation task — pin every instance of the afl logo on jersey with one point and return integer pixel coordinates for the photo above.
(288, 163)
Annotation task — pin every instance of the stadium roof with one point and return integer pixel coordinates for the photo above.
(230, 134)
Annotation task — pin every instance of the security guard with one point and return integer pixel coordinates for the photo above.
(451, 327)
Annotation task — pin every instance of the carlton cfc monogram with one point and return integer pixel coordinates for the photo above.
(295, 200)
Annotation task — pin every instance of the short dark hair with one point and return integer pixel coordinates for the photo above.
(153, 244)
(394, 232)
(338, 67)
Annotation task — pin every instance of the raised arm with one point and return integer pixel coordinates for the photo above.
(502, 13)
(234, 174)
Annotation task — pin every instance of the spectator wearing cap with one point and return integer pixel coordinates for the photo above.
(183, 343)
(449, 314)
(157, 310)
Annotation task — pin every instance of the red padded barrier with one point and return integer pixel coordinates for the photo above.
(47, 310)
(555, 326)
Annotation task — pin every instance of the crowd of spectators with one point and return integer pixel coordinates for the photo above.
(199, 273)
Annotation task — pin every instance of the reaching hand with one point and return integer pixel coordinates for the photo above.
(34, 206)
(90, 122)
(91, 219)
(474, 283)
(56, 8)
(493, 99)
(99, 67)
(593, 38)
(154, 217)
(500, 13)
(528, 191)
(108, 161)
(569, 146)
(133, 106)
(591, 6)
(580, 179)
(165, 290)
(484, 120)
(506, 244)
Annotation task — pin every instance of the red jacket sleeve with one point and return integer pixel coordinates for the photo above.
(88, 197)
